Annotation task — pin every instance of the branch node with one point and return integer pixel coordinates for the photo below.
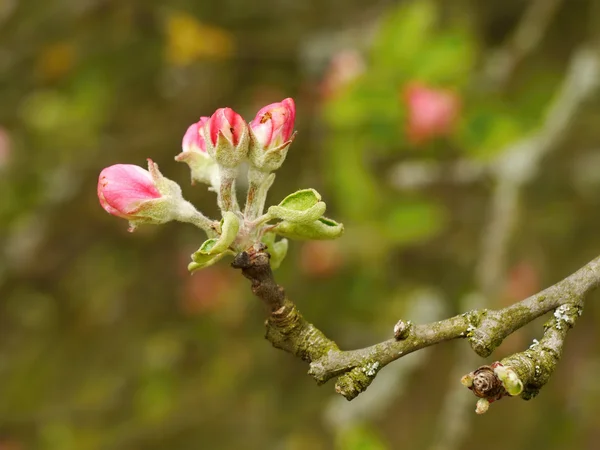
(402, 329)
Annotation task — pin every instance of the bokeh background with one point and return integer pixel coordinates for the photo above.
(458, 141)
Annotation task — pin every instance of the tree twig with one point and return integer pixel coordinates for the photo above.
(355, 369)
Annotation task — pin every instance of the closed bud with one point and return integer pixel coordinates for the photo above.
(272, 132)
(141, 196)
(203, 168)
(226, 136)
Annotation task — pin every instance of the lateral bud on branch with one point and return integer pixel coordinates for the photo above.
(491, 383)
(402, 329)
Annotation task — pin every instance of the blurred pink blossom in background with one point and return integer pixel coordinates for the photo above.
(431, 112)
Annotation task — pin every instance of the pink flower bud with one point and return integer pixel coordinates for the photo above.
(193, 140)
(226, 137)
(124, 188)
(272, 133)
(431, 112)
(274, 124)
(203, 168)
(145, 197)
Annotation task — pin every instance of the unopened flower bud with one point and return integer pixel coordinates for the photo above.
(226, 136)
(203, 168)
(483, 405)
(272, 132)
(144, 196)
(193, 140)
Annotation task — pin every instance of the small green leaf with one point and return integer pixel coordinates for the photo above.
(412, 221)
(229, 229)
(359, 437)
(404, 35)
(205, 248)
(319, 229)
(201, 259)
(302, 206)
(298, 216)
(214, 249)
(301, 200)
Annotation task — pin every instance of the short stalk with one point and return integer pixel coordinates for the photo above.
(189, 214)
(257, 193)
(260, 220)
(227, 199)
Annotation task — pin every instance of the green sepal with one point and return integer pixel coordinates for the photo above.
(302, 206)
(319, 229)
(202, 167)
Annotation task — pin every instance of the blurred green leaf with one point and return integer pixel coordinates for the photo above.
(403, 35)
(360, 437)
(414, 221)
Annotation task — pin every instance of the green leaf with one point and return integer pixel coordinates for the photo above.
(488, 127)
(319, 229)
(202, 259)
(360, 437)
(229, 229)
(214, 249)
(301, 200)
(448, 59)
(300, 207)
(404, 35)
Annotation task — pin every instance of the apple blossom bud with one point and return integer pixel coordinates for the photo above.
(226, 136)
(272, 132)
(203, 168)
(193, 140)
(124, 188)
(144, 196)
(431, 112)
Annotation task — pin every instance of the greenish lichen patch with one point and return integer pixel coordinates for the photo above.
(357, 380)
(288, 330)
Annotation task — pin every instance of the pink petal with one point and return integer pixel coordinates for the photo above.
(123, 187)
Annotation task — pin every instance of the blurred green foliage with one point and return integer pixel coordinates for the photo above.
(106, 342)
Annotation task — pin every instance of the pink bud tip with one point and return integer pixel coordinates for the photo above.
(226, 122)
(122, 188)
(274, 123)
(431, 112)
(193, 141)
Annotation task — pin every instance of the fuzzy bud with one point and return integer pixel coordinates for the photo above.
(226, 135)
(272, 132)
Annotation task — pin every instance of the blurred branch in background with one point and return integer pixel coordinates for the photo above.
(524, 40)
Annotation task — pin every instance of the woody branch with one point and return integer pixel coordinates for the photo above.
(485, 329)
